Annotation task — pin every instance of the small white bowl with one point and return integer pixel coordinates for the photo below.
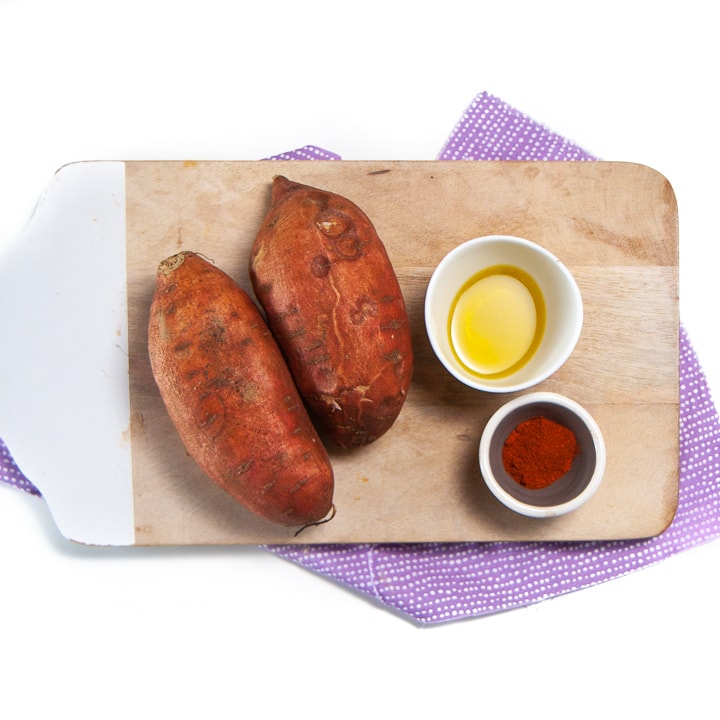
(560, 293)
(567, 493)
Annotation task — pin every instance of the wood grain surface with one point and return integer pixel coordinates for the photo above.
(614, 225)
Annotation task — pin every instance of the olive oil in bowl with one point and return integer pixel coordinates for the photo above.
(496, 321)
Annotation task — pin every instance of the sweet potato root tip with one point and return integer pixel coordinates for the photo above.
(280, 186)
(327, 519)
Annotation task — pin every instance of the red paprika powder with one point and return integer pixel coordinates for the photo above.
(538, 452)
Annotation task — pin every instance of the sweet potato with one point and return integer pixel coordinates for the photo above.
(230, 395)
(334, 304)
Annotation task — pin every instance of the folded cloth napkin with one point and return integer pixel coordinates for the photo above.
(10, 473)
(439, 582)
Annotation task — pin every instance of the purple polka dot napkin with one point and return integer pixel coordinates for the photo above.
(11, 475)
(440, 582)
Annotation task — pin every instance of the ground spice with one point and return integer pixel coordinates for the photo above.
(538, 452)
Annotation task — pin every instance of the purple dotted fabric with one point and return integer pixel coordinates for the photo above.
(491, 129)
(309, 152)
(10, 473)
(440, 582)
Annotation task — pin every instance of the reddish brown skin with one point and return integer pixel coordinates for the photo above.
(230, 395)
(334, 304)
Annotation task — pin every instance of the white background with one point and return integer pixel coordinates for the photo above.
(234, 632)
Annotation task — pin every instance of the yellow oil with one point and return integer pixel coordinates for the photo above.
(496, 321)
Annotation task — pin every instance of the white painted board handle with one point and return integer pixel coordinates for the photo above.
(64, 405)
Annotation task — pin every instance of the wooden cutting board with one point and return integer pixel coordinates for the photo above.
(613, 224)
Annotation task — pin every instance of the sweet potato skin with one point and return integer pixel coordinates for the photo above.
(230, 395)
(335, 306)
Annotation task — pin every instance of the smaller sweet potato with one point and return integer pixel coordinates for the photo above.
(230, 394)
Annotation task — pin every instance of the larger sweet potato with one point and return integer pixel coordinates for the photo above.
(230, 394)
(334, 304)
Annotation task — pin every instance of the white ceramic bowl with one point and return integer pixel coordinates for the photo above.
(567, 493)
(561, 296)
